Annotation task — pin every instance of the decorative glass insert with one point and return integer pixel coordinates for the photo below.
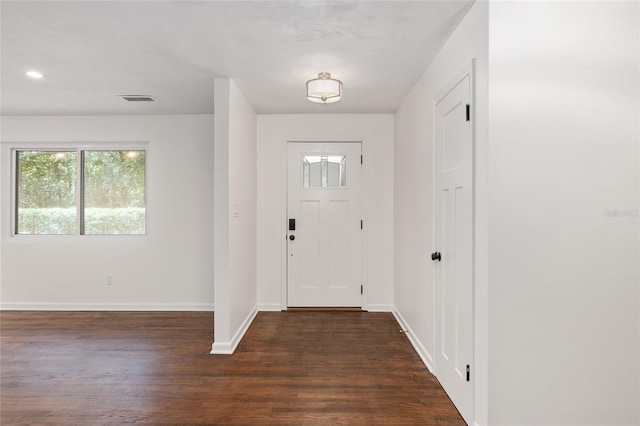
(324, 171)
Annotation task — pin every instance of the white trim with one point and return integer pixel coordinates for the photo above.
(269, 307)
(364, 240)
(415, 342)
(56, 145)
(205, 307)
(379, 308)
(78, 147)
(284, 206)
(228, 348)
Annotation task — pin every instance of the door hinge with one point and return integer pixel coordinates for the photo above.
(468, 373)
(361, 289)
(361, 224)
(361, 159)
(468, 112)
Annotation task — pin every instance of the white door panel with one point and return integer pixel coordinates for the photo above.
(454, 242)
(325, 199)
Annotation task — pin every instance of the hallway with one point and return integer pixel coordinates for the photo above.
(154, 368)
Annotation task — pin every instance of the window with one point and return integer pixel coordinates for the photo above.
(46, 192)
(90, 192)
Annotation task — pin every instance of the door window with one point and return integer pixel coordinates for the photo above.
(324, 171)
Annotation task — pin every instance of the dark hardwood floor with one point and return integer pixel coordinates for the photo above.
(300, 368)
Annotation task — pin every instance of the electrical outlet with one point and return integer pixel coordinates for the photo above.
(109, 280)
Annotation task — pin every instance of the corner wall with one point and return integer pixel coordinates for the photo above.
(234, 189)
(167, 269)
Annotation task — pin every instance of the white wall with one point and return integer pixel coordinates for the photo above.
(235, 216)
(242, 196)
(169, 268)
(563, 225)
(414, 295)
(557, 184)
(376, 133)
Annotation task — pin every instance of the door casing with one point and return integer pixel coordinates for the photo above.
(284, 209)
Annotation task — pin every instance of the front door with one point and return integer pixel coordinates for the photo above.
(454, 242)
(324, 248)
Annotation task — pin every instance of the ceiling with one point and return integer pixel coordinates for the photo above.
(92, 51)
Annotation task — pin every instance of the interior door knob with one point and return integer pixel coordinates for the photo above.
(436, 256)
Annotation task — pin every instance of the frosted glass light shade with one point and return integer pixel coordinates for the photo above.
(324, 89)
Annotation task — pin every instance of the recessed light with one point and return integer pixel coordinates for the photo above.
(34, 74)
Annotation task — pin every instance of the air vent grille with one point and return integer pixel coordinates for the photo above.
(138, 98)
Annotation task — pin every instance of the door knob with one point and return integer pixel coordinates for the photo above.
(292, 237)
(436, 256)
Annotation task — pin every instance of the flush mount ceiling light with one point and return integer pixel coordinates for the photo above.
(34, 74)
(324, 89)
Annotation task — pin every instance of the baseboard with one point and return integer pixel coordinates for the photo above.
(207, 307)
(228, 348)
(379, 308)
(417, 345)
(276, 307)
(270, 307)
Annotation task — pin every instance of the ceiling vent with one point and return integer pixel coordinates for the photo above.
(138, 98)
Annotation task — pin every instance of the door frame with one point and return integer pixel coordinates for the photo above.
(284, 209)
(468, 71)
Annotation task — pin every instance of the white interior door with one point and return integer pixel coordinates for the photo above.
(324, 248)
(454, 250)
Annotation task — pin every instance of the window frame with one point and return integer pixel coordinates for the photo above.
(79, 149)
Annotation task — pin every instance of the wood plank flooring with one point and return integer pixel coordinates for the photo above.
(292, 368)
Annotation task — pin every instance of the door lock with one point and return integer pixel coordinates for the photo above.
(292, 237)
(436, 256)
